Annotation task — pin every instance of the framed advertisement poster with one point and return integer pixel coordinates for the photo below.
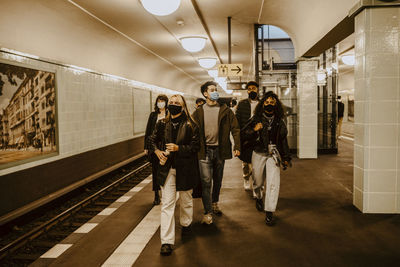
(28, 119)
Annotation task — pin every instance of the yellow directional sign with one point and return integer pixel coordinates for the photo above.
(230, 70)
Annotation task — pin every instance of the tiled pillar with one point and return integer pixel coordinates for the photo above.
(377, 110)
(307, 114)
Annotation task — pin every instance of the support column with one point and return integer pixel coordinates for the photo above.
(377, 109)
(307, 113)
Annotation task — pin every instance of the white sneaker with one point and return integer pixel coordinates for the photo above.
(246, 184)
(207, 219)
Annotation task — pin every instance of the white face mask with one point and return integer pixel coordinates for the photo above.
(161, 105)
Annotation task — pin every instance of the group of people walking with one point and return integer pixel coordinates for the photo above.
(188, 152)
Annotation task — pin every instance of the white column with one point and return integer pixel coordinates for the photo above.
(307, 113)
(377, 110)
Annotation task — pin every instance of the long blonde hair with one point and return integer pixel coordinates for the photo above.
(182, 101)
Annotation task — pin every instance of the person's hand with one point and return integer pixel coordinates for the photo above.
(258, 127)
(172, 147)
(146, 152)
(236, 153)
(160, 154)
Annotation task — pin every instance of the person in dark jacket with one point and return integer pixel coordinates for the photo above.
(268, 131)
(175, 141)
(160, 111)
(244, 111)
(216, 122)
(340, 117)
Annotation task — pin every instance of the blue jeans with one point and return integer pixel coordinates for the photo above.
(211, 172)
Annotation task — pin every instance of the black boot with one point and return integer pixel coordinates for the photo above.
(156, 198)
(259, 204)
(269, 219)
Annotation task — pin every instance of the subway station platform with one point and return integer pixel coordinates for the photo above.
(317, 225)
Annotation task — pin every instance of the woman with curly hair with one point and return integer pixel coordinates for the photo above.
(268, 133)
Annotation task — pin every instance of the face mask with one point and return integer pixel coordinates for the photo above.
(174, 109)
(214, 96)
(269, 108)
(161, 105)
(253, 95)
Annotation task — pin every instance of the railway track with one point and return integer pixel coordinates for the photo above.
(28, 242)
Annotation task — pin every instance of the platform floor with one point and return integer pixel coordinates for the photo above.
(317, 225)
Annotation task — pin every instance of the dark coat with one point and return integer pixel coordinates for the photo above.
(258, 141)
(243, 112)
(151, 124)
(186, 162)
(227, 123)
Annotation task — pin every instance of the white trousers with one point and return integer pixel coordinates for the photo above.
(168, 202)
(264, 168)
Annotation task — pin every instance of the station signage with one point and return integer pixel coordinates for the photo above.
(230, 70)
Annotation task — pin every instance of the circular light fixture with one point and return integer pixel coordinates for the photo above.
(349, 60)
(207, 62)
(161, 7)
(193, 43)
(213, 73)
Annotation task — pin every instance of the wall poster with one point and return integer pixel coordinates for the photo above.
(28, 124)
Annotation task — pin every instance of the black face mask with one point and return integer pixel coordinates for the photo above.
(174, 109)
(269, 108)
(253, 95)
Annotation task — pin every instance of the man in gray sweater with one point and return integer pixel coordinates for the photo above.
(215, 122)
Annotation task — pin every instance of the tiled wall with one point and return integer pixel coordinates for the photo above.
(377, 111)
(93, 110)
(307, 145)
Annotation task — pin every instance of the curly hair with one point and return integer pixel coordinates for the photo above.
(160, 97)
(259, 110)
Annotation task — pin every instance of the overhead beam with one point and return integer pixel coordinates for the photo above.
(334, 36)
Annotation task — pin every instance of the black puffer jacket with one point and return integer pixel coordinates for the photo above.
(258, 140)
(186, 162)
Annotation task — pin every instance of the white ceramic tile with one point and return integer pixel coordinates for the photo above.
(358, 199)
(359, 178)
(382, 65)
(381, 202)
(383, 135)
(384, 89)
(383, 158)
(56, 251)
(384, 19)
(382, 181)
(383, 112)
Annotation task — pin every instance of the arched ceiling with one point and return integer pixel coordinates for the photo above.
(306, 21)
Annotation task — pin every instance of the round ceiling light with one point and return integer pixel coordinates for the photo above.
(193, 44)
(161, 7)
(207, 62)
(349, 60)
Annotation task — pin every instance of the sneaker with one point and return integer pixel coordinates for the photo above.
(246, 184)
(216, 209)
(269, 219)
(207, 219)
(259, 204)
(166, 249)
(254, 194)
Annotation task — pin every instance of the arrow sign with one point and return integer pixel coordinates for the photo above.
(230, 70)
(238, 70)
